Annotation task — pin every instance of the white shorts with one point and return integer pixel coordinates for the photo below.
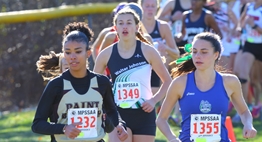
(234, 45)
(230, 47)
(226, 48)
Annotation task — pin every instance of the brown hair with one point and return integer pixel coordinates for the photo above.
(50, 65)
(136, 18)
(188, 66)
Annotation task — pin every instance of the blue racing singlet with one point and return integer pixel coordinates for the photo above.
(200, 108)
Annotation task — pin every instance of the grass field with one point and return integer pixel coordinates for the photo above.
(16, 127)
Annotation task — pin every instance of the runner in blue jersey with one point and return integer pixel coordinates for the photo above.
(197, 20)
(172, 12)
(203, 94)
(130, 62)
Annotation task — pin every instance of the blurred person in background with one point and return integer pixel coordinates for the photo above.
(197, 20)
(172, 12)
(251, 22)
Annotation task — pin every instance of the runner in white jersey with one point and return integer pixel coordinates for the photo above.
(234, 39)
(252, 49)
(222, 19)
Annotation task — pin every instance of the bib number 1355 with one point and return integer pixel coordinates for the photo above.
(205, 126)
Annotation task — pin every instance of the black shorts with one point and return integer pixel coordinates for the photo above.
(155, 80)
(139, 121)
(181, 47)
(254, 48)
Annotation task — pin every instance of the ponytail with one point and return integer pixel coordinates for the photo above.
(142, 38)
(48, 65)
(183, 68)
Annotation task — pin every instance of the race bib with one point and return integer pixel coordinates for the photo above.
(88, 118)
(127, 93)
(253, 36)
(177, 28)
(205, 128)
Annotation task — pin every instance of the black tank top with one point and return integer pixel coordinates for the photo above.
(156, 36)
(122, 65)
(134, 70)
(178, 7)
(195, 27)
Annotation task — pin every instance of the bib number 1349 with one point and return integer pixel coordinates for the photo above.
(127, 91)
(128, 94)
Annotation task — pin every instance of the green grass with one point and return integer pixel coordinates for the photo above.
(16, 127)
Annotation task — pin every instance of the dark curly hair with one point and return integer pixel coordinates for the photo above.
(50, 65)
(78, 26)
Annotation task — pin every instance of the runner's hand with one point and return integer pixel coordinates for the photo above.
(148, 105)
(71, 131)
(121, 132)
(249, 132)
(250, 20)
(178, 15)
(161, 47)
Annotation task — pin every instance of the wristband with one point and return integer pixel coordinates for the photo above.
(64, 128)
(123, 124)
(255, 26)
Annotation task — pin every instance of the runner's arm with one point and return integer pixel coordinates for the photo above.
(171, 47)
(110, 107)
(101, 61)
(173, 94)
(98, 42)
(44, 110)
(211, 22)
(238, 100)
(165, 13)
(158, 66)
(107, 41)
(232, 17)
